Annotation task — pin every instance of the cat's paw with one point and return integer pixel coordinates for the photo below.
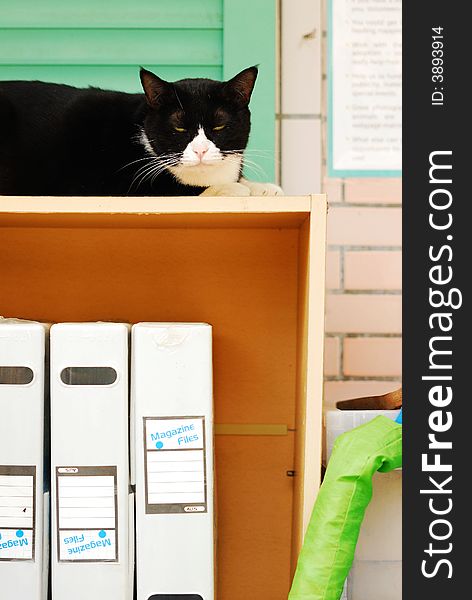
(227, 189)
(262, 189)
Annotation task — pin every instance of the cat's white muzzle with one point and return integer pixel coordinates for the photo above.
(207, 172)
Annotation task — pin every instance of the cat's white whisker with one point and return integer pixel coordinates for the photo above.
(140, 175)
(254, 167)
(248, 163)
(255, 153)
(155, 167)
(255, 172)
(166, 159)
(147, 158)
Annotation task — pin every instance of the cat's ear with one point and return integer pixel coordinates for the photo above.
(239, 89)
(155, 88)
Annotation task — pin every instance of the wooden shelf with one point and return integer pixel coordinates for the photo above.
(252, 267)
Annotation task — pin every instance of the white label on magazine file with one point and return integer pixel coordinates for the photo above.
(17, 504)
(86, 514)
(175, 464)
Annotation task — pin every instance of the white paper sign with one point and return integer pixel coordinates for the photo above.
(366, 85)
(17, 513)
(87, 517)
(175, 465)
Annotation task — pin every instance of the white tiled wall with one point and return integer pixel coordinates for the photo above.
(363, 321)
(301, 156)
(300, 106)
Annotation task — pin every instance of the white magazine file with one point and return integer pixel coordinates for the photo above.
(92, 537)
(23, 497)
(172, 408)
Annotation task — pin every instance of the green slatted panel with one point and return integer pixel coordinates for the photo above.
(103, 42)
(164, 14)
(119, 77)
(110, 46)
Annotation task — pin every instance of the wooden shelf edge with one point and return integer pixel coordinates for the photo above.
(158, 205)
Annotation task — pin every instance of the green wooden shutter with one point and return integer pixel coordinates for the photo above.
(249, 39)
(102, 43)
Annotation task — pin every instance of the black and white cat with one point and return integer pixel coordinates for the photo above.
(177, 139)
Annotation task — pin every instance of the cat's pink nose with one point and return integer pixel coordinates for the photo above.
(200, 152)
(200, 144)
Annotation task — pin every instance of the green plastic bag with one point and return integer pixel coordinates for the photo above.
(331, 538)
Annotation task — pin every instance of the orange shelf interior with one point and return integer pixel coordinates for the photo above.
(241, 279)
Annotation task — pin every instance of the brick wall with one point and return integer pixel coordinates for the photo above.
(363, 319)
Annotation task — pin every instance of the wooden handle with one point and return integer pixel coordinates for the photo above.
(389, 401)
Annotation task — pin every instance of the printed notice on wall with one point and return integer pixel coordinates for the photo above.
(365, 74)
(17, 504)
(86, 514)
(174, 450)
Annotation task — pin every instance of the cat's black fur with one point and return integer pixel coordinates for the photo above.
(60, 140)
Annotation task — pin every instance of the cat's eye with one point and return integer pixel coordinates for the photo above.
(219, 127)
(180, 129)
